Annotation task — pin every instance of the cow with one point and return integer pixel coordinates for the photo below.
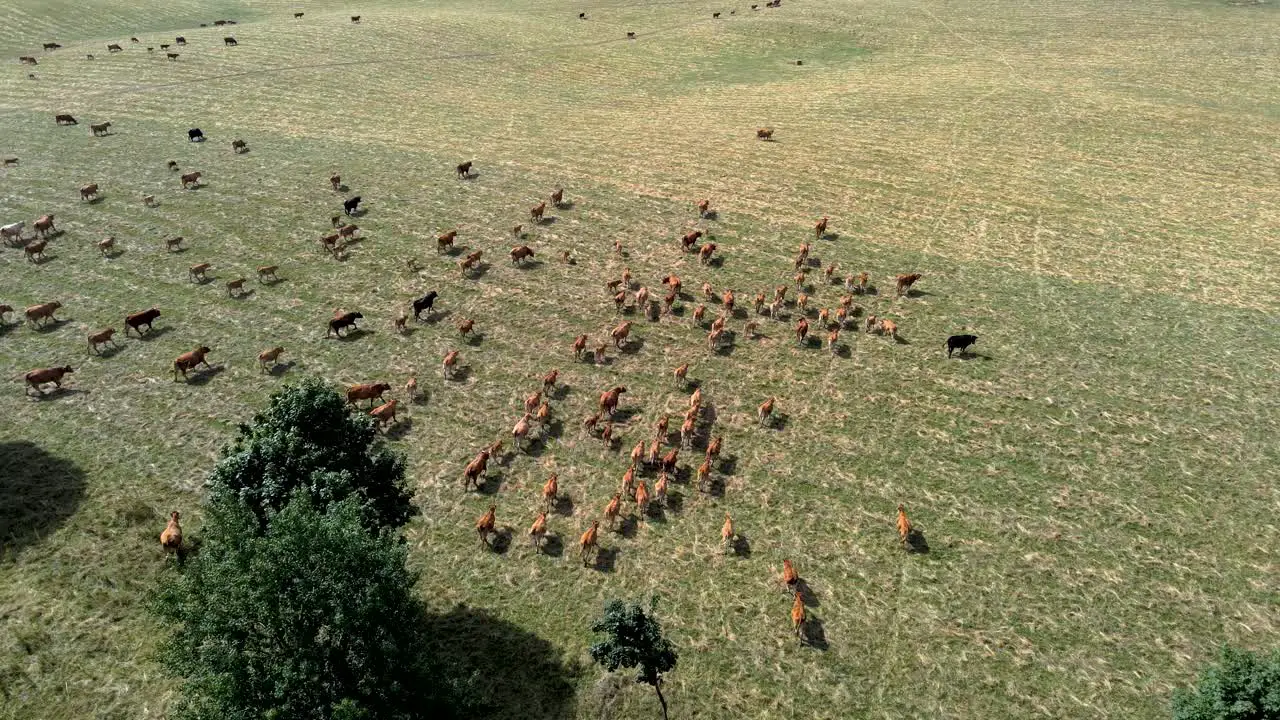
(367, 391)
(173, 243)
(705, 253)
(960, 343)
(12, 233)
(537, 211)
(137, 320)
(43, 376)
(764, 133)
(191, 179)
(35, 251)
(10, 161)
(341, 321)
(239, 146)
(887, 327)
(149, 200)
(336, 181)
(424, 303)
(51, 46)
(464, 169)
(114, 48)
(194, 134)
(180, 40)
(349, 207)
(196, 273)
(297, 15)
(903, 283)
(28, 60)
(690, 239)
(267, 359)
(385, 413)
(165, 46)
(348, 231)
(703, 207)
(579, 347)
(450, 364)
(88, 192)
(557, 197)
(715, 15)
(620, 334)
(102, 337)
(229, 41)
(470, 261)
(820, 227)
(582, 16)
(190, 361)
(520, 252)
(631, 36)
(64, 119)
(445, 241)
(172, 57)
(235, 288)
(36, 314)
(355, 18)
(107, 245)
(267, 273)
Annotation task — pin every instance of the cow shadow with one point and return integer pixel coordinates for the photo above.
(492, 483)
(38, 493)
(547, 220)
(454, 250)
(530, 264)
(561, 392)
(675, 502)
(436, 316)
(552, 545)
(480, 270)
(57, 393)
(500, 543)
(812, 342)
(460, 374)
(54, 324)
(243, 294)
(606, 560)
(830, 236)
(656, 513)
(628, 527)
(281, 368)
(711, 215)
(725, 349)
(566, 205)
(901, 340)
(808, 594)
(399, 428)
(563, 506)
(342, 187)
(779, 421)
(113, 253)
(715, 262)
(844, 351)
(474, 338)
(915, 542)
(6, 328)
(108, 351)
(632, 346)
(973, 356)
(622, 415)
(554, 429)
(205, 375)
(154, 333)
(96, 199)
(912, 293)
(354, 334)
(44, 258)
(739, 313)
(813, 634)
(741, 546)
(728, 464)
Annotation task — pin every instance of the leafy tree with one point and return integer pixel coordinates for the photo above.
(313, 617)
(634, 639)
(307, 441)
(1240, 686)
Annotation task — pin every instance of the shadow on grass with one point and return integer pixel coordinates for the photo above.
(741, 546)
(563, 506)
(501, 669)
(813, 634)
(606, 559)
(281, 368)
(203, 376)
(552, 545)
(154, 333)
(38, 492)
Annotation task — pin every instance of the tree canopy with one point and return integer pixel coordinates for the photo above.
(1241, 685)
(633, 639)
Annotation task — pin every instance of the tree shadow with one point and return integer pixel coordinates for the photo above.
(38, 493)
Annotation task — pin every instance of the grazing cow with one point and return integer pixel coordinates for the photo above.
(960, 343)
(89, 56)
(235, 288)
(173, 243)
(487, 522)
(336, 182)
(695, 400)
(537, 531)
(190, 361)
(347, 232)
(631, 36)
(64, 119)
(450, 364)
(43, 376)
(464, 169)
(385, 413)
(341, 321)
(349, 206)
(367, 391)
(705, 253)
(688, 240)
(537, 211)
(579, 346)
(267, 273)
(465, 326)
(164, 46)
(764, 133)
(589, 542)
(35, 251)
(239, 146)
(10, 162)
(173, 56)
(609, 399)
(520, 252)
(36, 314)
(191, 179)
(557, 197)
(903, 283)
(88, 192)
(99, 128)
(590, 422)
(171, 536)
(470, 261)
(445, 241)
(355, 18)
(267, 359)
(12, 233)
(194, 134)
(101, 337)
(802, 330)
(582, 16)
(424, 303)
(196, 273)
(620, 334)
(229, 41)
(137, 320)
(297, 15)
(765, 411)
(114, 48)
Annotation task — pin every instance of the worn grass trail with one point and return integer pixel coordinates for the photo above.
(1096, 482)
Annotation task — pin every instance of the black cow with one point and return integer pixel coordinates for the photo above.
(960, 342)
(424, 303)
(229, 41)
(194, 135)
(349, 207)
(180, 40)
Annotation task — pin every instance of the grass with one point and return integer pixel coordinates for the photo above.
(1088, 187)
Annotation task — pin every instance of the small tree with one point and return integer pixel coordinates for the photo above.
(1241, 686)
(314, 617)
(308, 442)
(634, 639)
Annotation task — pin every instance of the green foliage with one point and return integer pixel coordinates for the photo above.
(313, 618)
(634, 639)
(308, 441)
(1242, 685)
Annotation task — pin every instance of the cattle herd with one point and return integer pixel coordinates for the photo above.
(655, 457)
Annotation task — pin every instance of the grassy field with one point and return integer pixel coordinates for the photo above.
(1091, 187)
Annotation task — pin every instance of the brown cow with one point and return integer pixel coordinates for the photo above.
(537, 531)
(520, 252)
(239, 146)
(136, 320)
(557, 197)
(551, 489)
(765, 411)
(680, 375)
(517, 231)
(172, 56)
(28, 60)
(267, 273)
(798, 616)
(487, 523)
(191, 178)
(703, 207)
(336, 181)
(367, 391)
(267, 359)
(445, 241)
(101, 337)
(45, 311)
(579, 346)
(820, 228)
(347, 232)
(727, 299)
(469, 262)
(802, 330)
(385, 413)
(903, 283)
(764, 133)
(44, 225)
(475, 470)
(449, 364)
(4, 309)
(620, 334)
(464, 169)
(705, 253)
(174, 243)
(871, 324)
(190, 361)
(341, 321)
(196, 273)
(688, 240)
(89, 191)
(536, 212)
(714, 338)
(609, 399)
(235, 288)
(465, 326)
(44, 376)
(887, 327)
(549, 381)
(589, 541)
(35, 251)
(171, 536)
